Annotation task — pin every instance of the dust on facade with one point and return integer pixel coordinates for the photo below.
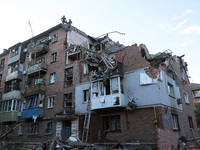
(64, 88)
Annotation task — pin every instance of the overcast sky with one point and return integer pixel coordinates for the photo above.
(159, 24)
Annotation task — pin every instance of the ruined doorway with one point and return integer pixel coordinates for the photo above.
(66, 130)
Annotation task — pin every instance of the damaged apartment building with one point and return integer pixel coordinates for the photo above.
(64, 83)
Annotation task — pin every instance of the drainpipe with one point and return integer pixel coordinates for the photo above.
(155, 115)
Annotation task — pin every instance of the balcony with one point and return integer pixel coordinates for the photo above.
(37, 68)
(41, 49)
(14, 75)
(28, 113)
(8, 116)
(116, 100)
(38, 88)
(12, 95)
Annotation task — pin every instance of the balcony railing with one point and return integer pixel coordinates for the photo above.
(14, 75)
(40, 49)
(37, 68)
(38, 88)
(30, 112)
(116, 100)
(12, 95)
(8, 116)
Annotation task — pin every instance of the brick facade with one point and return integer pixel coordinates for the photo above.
(146, 123)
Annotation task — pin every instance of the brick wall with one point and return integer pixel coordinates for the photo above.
(136, 126)
(167, 139)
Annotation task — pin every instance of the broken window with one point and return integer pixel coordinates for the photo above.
(95, 89)
(67, 103)
(52, 77)
(34, 128)
(114, 85)
(86, 95)
(2, 64)
(186, 98)
(40, 60)
(190, 122)
(175, 121)
(107, 87)
(38, 80)
(55, 38)
(50, 102)
(68, 77)
(85, 68)
(14, 52)
(171, 90)
(49, 127)
(12, 85)
(13, 67)
(71, 57)
(112, 123)
(53, 57)
(32, 101)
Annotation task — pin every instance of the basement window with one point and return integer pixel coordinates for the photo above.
(34, 128)
(112, 123)
(49, 127)
(20, 130)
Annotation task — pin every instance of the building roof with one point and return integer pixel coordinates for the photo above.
(194, 86)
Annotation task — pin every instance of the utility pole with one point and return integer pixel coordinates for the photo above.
(29, 24)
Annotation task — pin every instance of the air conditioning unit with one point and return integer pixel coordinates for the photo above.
(179, 101)
(25, 50)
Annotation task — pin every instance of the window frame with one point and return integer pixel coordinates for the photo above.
(54, 80)
(54, 37)
(170, 89)
(190, 121)
(20, 130)
(86, 95)
(68, 77)
(53, 57)
(33, 128)
(2, 63)
(107, 123)
(175, 122)
(49, 127)
(50, 102)
(186, 98)
(1, 75)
